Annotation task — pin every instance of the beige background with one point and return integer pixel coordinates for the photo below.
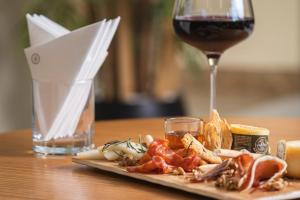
(275, 42)
(273, 47)
(15, 82)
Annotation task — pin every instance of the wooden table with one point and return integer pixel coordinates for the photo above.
(23, 175)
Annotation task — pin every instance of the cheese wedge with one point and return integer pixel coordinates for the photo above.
(290, 152)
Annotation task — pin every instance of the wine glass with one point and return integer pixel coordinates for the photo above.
(213, 26)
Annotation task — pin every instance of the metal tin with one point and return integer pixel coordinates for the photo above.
(253, 139)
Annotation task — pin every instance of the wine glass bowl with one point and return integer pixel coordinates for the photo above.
(213, 26)
(212, 35)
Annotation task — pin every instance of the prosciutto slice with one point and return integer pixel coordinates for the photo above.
(156, 165)
(244, 172)
(265, 168)
(159, 158)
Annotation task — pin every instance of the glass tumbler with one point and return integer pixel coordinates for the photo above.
(177, 127)
(63, 116)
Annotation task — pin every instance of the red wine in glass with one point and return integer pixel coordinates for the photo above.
(213, 26)
(212, 34)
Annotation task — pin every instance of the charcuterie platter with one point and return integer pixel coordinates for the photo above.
(204, 189)
(220, 160)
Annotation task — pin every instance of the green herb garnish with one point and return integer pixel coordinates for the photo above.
(138, 150)
(128, 144)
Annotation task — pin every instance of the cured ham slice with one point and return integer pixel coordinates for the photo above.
(243, 163)
(159, 158)
(190, 159)
(160, 148)
(156, 165)
(245, 172)
(239, 164)
(266, 168)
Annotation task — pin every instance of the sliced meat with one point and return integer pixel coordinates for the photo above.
(266, 168)
(213, 173)
(186, 159)
(156, 165)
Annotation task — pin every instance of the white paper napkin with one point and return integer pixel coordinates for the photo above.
(59, 56)
(60, 59)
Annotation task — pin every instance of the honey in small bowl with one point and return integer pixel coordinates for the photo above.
(174, 138)
(176, 128)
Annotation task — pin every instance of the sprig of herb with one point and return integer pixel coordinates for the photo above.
(141, 149)
(138, 150)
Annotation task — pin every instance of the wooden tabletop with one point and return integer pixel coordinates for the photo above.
(24, 175)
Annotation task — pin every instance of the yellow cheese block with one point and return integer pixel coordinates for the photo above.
(248, 130)
(251, 138)
(290, 152)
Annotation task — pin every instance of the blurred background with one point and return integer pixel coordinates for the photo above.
(150, 72)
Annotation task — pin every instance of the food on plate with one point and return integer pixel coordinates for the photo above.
(190, 142)
(266, 168)
(125, 151)
(245, 172)
(209, 157)
(200, 174)
(156, 165)
(205, 168)
(177, 127)
(228, 153)
(174, 139)
(148, 139)
(117, 149)
(217, 133)
(290, 152)
(254, 139)
(159, 158)
(94, 154)
(275, 184)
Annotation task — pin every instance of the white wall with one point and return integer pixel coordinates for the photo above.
(275, 42)
(15, 81)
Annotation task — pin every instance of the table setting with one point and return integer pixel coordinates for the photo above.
(68, 155)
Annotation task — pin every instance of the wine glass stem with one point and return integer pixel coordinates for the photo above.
(213, 64)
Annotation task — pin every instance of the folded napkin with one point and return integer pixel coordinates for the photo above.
(57, 55)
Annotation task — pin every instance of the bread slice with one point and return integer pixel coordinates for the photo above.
(190, 142)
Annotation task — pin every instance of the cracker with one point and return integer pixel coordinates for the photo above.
(190, 142)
